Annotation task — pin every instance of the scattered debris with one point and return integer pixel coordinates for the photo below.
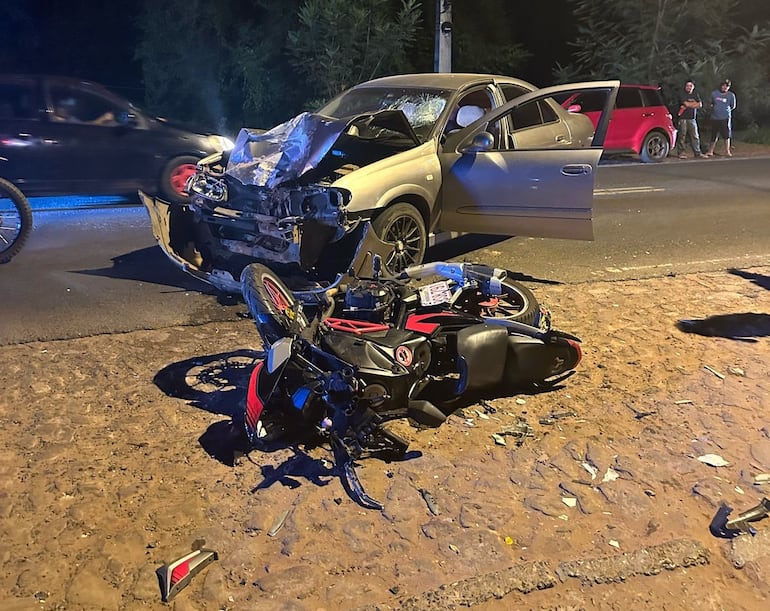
(519, 431)
(741, 521)
(454, 548)
(569, 501)
(481, 415)
(176, 575)
(488, 407)
(762, 478)
(713, 460)
(278, 524)
(721, 376)
(683, 402)
(509, 540)
(591, 469)
(498, 439)
(429, 501)
(614, 543)
(610, 476)
(520, 401)
(737, 371)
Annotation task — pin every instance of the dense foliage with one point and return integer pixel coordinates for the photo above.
(258, 62)
(670, 41)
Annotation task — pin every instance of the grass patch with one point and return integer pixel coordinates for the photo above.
(754, 135)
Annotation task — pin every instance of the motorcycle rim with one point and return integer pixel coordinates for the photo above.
(516, 302)
(15, 220)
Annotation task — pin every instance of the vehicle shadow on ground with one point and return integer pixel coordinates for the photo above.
(215, 383)
(758, 279)
(150, 265)
(745, 327)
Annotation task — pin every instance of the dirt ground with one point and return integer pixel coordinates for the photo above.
(115, 461)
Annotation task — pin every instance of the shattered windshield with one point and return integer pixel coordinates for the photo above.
(422, 107)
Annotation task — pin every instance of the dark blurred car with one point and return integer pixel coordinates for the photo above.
(640, 123)
(415, 154)
(63, 136)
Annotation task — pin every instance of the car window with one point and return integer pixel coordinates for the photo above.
(17, 100)
(590, 101)
(651, 97)
(511, 92)
(71, 105)
(629, 97)
(532, 114)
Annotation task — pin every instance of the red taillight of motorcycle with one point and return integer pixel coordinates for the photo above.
(254, 403)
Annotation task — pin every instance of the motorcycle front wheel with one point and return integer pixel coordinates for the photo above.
(273, 306)
(15, 220)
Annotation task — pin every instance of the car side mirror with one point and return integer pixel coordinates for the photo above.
(483, 141)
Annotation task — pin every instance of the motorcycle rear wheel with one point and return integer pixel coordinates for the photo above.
(15, 220)
(516, 303)
(275, 310)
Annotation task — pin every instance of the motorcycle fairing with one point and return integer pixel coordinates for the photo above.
(254, 403)
(481, 351)
(529, 358)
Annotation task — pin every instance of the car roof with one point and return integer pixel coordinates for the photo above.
(443, 80)
(629, 86)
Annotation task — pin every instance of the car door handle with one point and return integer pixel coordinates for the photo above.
(577, 169)
(561, 138)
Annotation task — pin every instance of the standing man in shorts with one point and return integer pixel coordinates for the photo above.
(722, 105)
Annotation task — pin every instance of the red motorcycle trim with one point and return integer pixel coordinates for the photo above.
(577, 349)
(357, 327)
(254, 404)
(424, 323)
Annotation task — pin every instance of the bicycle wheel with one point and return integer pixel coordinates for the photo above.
(271, 303)
(15, 220)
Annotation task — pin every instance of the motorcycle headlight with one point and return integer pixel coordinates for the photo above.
(220, 143)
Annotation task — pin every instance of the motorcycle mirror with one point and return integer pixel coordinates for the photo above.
(278, 353)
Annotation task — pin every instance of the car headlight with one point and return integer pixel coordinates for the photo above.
(220, 143)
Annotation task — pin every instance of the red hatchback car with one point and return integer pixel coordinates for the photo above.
(640, 123)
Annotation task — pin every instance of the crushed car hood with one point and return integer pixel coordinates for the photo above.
(289, 150)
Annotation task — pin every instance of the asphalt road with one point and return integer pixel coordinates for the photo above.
(91, 271)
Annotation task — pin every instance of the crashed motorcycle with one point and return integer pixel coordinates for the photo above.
(377, 349)
(15, 220)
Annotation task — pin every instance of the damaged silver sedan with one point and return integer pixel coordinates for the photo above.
(412, 155)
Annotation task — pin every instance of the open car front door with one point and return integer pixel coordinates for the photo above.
(508, 174)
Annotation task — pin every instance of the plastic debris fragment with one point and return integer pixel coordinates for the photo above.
(614, 543)
(569, 501)
(713, 460)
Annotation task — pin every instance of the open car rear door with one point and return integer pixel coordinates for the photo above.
(513, 171)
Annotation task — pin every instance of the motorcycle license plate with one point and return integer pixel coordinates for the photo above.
(436, 293)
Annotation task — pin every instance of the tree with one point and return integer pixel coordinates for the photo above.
(338, 44)
(669, 41)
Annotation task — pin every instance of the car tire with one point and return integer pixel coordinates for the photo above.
(15, 220)
(174, 178)
(655, 147)
(402, 225)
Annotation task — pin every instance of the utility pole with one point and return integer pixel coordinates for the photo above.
(442, 61)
